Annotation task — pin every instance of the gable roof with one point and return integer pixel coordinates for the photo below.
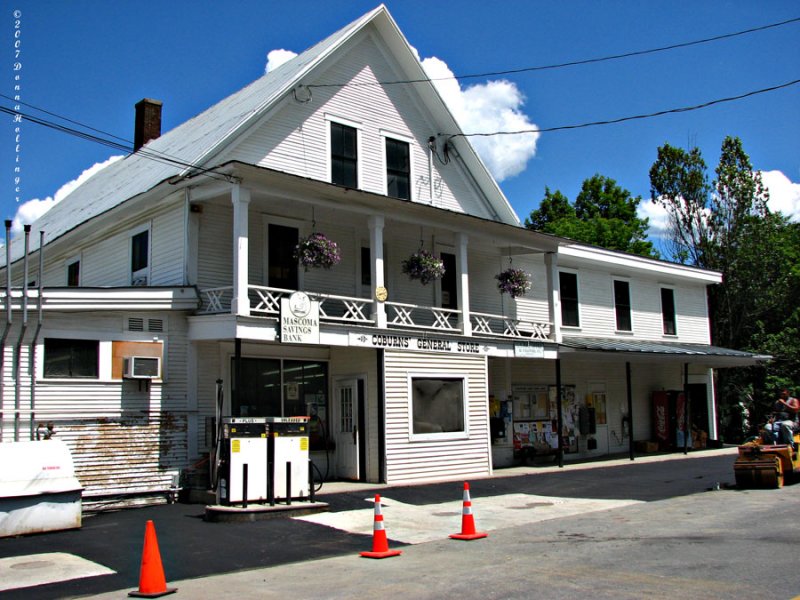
(192, 146)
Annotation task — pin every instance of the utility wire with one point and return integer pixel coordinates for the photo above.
(573, 63)
(127, 148)
(630, 118)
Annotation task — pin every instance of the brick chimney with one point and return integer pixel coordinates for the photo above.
(148, 122)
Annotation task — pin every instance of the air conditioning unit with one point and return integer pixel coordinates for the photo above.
(141, 367)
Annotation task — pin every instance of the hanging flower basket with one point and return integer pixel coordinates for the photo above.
(514, 282)
(317, 251)
(424, 266)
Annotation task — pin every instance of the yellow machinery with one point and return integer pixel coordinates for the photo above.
(766, 465)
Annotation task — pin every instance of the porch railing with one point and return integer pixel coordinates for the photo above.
(266, 301)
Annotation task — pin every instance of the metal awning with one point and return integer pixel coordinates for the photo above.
(712, 356)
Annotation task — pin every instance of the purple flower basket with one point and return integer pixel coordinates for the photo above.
(514, 282)
(317, 251)
(424, 266)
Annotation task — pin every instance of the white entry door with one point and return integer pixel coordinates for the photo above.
(346, 428)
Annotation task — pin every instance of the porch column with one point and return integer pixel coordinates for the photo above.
(378, 312)
(630, 408)
(240, 303)
(553, 295)
(465, 321)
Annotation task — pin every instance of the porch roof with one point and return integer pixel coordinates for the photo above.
(712, 356)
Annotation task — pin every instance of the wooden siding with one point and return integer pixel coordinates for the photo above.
(294, 139)
(408, 460)
(126, 436)
(597, 317)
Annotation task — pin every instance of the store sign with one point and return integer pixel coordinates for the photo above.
(529, 351)
(299, 319)
(417, 344)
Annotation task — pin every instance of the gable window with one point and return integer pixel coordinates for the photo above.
(398, 169)
(568, 284)
(344, 155)
(437, 407)
(74, 274)
(140, 257)
(282, 268)
(65, 358)
(668, 311)
(622, 305)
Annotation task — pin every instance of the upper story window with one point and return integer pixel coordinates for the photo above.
(622, 305)
(140, 258)
(398, 169)
(65, 358)
(668, 311)
(282, 271)
(344, 155)
(449, 282)
(74, 274)
(568, 284)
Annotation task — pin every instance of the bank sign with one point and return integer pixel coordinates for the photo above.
(299, 320)
(416, 343)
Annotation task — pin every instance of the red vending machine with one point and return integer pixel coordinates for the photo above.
(669, 420)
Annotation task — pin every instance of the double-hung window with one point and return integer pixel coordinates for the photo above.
(398, 169)
(140, 258)
(568, 284)
(344, 155)
(668, 311)
(622, 305)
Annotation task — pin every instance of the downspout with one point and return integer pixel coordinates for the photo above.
(24, 326)
(32, 353)
(7, 328)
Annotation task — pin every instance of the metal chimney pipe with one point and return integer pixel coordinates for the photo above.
(8, 271)
(35, 340)
(23, 327)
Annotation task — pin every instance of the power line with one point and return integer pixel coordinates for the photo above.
(573, 63)
(127, 148)
(633, 117)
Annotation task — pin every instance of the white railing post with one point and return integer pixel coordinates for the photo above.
(462, 281)
(378, 313)
(240, 304)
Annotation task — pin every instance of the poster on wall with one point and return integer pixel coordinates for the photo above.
(570, 415)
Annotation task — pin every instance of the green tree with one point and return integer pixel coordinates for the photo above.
(604, 214)
(679, 184)
(727, 226)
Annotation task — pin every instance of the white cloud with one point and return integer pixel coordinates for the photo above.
(488, 107)
(784, 195)
(33, 209)
(275, 58)
(659, 219)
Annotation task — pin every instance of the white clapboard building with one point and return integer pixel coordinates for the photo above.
(169, 281)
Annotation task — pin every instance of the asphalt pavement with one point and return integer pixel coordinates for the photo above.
(192, 548)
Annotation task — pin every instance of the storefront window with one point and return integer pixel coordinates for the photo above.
(437, 407)
(280, 388)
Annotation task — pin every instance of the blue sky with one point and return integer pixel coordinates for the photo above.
(92, 60)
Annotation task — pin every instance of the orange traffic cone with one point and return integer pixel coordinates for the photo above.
(151, 575)
(380, 545)
(468, 521)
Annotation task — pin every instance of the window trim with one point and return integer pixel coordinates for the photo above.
(397, 137)
(578, 298)
(626, 281)
(443, 436)
(329, 119)
(662, 288)
(146, 271)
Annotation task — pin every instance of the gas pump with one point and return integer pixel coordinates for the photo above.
(243, 460)
(289, 460)
(263, 459)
